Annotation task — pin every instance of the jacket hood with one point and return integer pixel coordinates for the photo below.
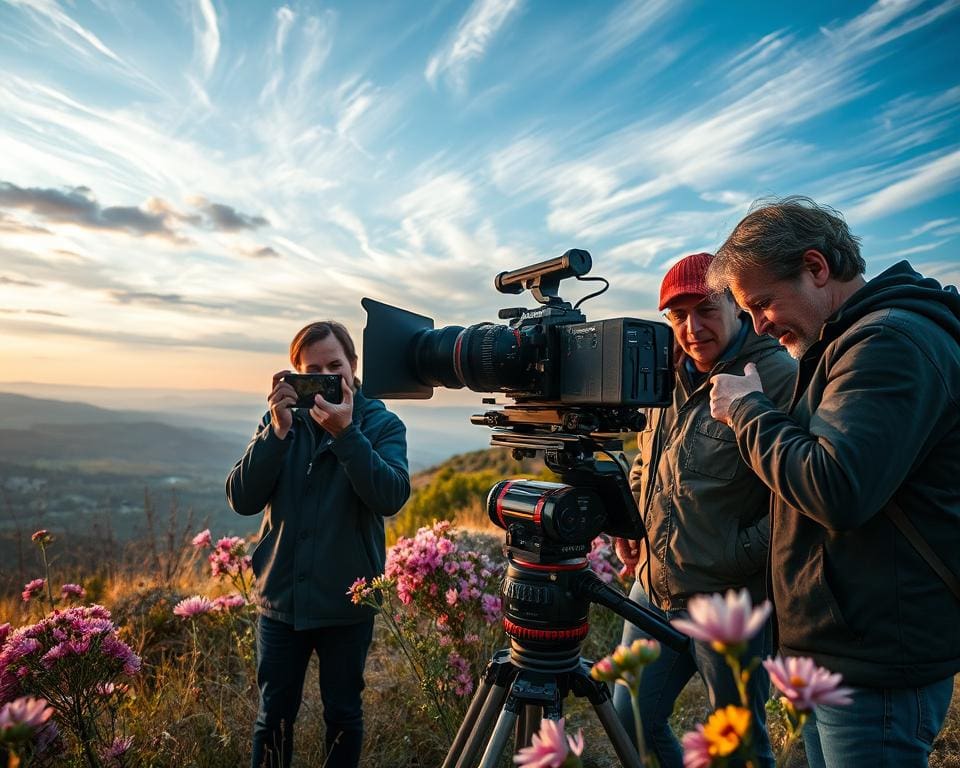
(901, 287)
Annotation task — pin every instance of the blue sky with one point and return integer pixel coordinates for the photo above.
(184, 184)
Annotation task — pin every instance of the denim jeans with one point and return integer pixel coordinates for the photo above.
(282, 658)
(662, 682)
(882, 728)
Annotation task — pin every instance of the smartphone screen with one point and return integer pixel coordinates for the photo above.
(309, 385)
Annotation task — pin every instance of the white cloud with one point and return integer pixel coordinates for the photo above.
(207, 33)
(285, 19)
(66, 28)
(936, 226)
(917, 186)
(474, 35)
(625, 25)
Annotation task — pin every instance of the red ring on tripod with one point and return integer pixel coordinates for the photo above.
(525, 633)
(499, 504)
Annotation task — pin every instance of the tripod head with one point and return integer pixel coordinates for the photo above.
(548, 585)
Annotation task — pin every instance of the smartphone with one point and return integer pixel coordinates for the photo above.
(308, 385)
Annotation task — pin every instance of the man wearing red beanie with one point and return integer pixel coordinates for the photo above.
(705, 511)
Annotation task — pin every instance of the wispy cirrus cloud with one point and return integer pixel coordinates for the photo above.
(771, 89)
(919, 182)
(69, 31)
(206, 35)
(625, 25)
(470, 42)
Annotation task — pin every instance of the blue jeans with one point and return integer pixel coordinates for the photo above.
(662, 682)
(282, 658)
(882, 728)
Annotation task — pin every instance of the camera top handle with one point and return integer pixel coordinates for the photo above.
(543, 278)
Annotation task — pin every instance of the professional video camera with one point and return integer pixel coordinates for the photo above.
(575, 386)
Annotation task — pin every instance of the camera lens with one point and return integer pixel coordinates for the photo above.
(484, 358)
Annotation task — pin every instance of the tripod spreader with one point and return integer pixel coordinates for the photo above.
(589, 586)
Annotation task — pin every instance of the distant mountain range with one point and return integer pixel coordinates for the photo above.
(208, 424)
(92, 472)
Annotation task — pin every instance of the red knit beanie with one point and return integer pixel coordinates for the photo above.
(685, 278)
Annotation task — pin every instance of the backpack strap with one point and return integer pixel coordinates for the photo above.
(899, 518)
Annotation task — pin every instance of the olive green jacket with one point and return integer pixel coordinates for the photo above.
(705, 511)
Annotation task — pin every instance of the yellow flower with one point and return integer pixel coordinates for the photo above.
(726, 730)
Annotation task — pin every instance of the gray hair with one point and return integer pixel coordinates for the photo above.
(776, 233)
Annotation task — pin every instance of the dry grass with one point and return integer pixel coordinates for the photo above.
(204, 718)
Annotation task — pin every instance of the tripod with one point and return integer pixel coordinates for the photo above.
(545, 617)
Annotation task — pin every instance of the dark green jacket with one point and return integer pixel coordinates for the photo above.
(706, 513)
(324, 502)
(876, 415)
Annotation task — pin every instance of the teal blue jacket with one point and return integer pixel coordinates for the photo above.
(324, 501)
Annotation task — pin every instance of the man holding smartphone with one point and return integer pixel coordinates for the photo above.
(325, 478)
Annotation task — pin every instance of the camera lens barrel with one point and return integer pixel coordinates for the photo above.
(484, 358)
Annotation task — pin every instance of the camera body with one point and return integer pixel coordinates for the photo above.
(549, 355)
(309, 385)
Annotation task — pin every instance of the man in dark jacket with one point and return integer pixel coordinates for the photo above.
(325, 477)
(873, 430)
(704, 510)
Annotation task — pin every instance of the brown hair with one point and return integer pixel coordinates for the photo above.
(314, 332)
(775, 234)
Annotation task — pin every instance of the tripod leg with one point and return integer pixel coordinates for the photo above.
(469, 723)
(617, 735)
(491, 709)
(498, 741)
(528, 724)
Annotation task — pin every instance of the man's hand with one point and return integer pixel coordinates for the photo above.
(334, 417)
(727, 389)
(281, 399)
(628, 551)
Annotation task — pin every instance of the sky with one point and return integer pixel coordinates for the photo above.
(185, 184)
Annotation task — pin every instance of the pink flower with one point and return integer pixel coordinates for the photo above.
(452, 596)
(550, 746)
(724, 622)
(72, 590)
(192, 606)
(32, 589)
(805, 685)
(202, 539)
(25, 711)
(600, 557)
(359, 590)
(696, 749)
(42, 537)
(492, 608)
(112, 754)
(228, 602)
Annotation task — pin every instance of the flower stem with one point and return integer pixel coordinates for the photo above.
(46, 573)
(637, 724)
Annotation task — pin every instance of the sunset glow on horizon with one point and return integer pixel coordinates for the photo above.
(184, 185)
